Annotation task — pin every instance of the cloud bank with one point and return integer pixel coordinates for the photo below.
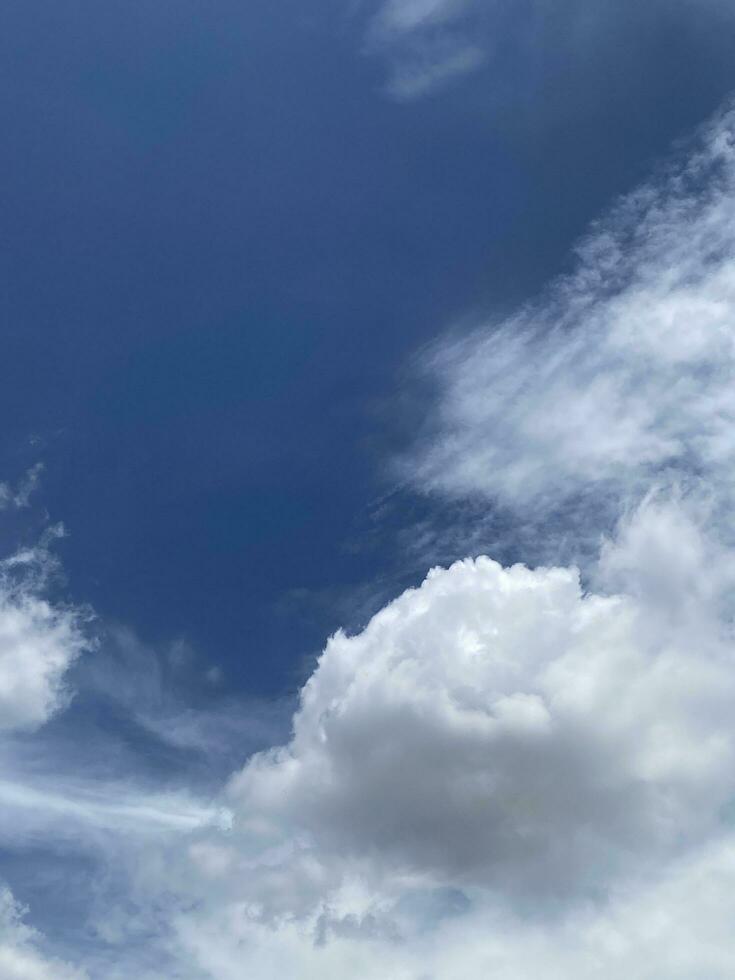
(530, 771)
(676, 928)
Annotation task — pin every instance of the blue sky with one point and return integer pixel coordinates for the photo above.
(223, 242)
(233, 236)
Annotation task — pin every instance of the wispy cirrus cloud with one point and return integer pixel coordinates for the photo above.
(19, 496)
(618, 379)
(51, 808)
(426, 43)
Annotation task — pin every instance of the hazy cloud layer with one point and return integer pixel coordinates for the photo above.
(19, 496)
(426, 44)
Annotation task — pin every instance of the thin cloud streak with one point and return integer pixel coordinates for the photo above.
(109, 808)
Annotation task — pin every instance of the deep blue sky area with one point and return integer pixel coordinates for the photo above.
(221, 243)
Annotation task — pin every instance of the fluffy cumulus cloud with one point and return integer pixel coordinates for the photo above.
(511, 771)
(498, 727)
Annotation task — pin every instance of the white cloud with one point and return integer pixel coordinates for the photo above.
(620, 377)
(498, 727)
(434, 64)
(425, 40)
(675, 927)
(502, 775)
(423, 45)
(401, 16)
(70, 809)
(38, 644)
(19, 496)
(20, 955)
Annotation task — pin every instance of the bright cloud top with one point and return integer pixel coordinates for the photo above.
(499, 727)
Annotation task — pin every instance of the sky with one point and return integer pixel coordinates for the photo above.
(367, 476)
